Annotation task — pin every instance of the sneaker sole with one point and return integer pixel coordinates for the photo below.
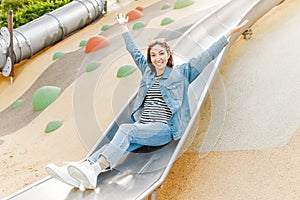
(81, 177)
(53, 174)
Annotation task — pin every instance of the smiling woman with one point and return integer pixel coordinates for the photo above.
(160, 114)
(159, 56)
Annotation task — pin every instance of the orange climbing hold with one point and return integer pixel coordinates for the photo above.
(95, 43)
(134, 14)
(139, 8)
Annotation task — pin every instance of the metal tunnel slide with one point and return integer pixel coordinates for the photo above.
(49, 29)
(141, 173)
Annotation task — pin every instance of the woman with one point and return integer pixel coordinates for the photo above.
(161, 111)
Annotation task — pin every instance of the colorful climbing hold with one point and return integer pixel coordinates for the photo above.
(139, 8)
(83, 43)
(125, 70)
(92, 66)
(166, 21)
(57, 55)
(53, 125)
(95, 43)
(182, 3)
(166, 6)
(138, 25)
(105, 27)
(17, 103)
(44, 96)
(134, 14)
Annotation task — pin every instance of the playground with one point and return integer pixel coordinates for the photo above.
(251, 113)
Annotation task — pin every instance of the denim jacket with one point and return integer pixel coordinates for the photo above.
(174, 83)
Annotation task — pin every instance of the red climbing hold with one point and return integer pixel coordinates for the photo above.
(139, 8)
(134, 14)
(95, 43)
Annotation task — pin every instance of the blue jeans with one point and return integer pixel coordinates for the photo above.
(132, 136)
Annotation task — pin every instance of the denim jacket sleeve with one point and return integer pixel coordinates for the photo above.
(196, 65)
(136, 54)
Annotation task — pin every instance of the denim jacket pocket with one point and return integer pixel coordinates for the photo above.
(175, 90)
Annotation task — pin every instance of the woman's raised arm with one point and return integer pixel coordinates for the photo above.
(196, 65)
(136, 54)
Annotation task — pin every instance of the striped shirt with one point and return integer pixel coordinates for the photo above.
(155, 108)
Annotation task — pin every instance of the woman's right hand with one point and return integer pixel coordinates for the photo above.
(122, 19)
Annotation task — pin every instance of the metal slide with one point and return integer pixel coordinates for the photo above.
(141, 173)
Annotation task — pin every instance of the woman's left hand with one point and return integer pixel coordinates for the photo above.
(237, 28)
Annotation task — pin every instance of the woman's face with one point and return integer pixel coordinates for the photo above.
(159, 58)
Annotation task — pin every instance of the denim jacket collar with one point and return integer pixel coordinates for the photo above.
(166, 73)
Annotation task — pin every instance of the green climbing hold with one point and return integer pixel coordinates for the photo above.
(57, 55)
(166, 21)
(53, 125)
(105, 27)
(17, 103)
(92, 66)
(138, 25)
(125, 70)
(182, 3)
(83, 43)
(165, 6)
(44, 96)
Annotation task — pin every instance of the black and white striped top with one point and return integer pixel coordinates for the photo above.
(155, 108)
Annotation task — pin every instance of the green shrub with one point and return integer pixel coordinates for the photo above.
(13, 4)
(25, 11)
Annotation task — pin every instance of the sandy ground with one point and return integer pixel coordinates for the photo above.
(230, 172)
(257, 174)
(257, 155)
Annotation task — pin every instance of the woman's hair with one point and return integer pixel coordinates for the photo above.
(165, 45)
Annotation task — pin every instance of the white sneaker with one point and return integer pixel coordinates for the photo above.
(62, 174)
(85, 173)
